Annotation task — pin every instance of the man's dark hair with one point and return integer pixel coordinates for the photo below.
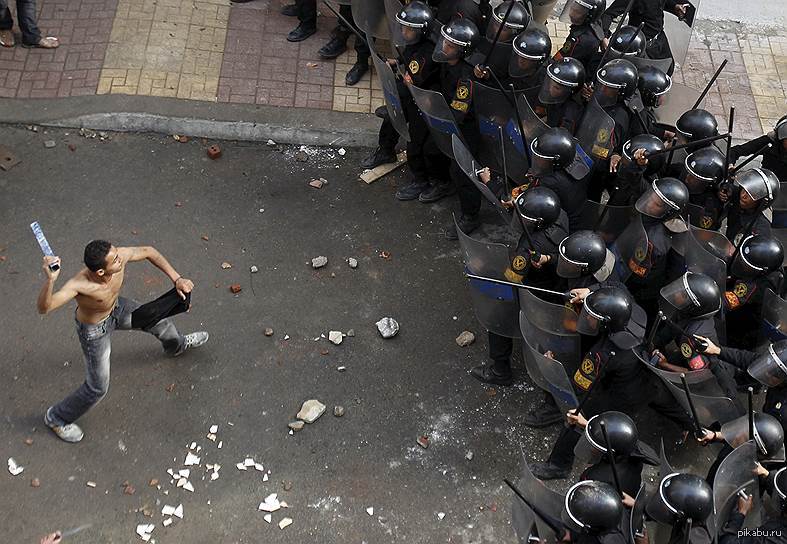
(96, 254)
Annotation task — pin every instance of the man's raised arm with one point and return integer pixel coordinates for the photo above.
(47, 300)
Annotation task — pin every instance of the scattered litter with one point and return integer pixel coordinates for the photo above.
(28, 441)
(319, 262)
(235, 288)
(220, 444)
(211, 437)
(167, 522)
(90, 484)
(49, 144)
(341, 368)
(153, 482)
(465, 338)
(145, 530)
(311, 410)
(191, 460)
(253, 269)
(193, 446)
(13, 468)
(469, 456)
(128, 489)
(214, 476)
(423, 441)
(286, 336)
(240, 466)
(259, 467)
(205, 237)
(312, 65)
(388, 327)
(285, 522)
(170, 388)
(342, 152)
(268, 518)
(270, 143)
(296, 425)
(335, 337)
(225, 265)
(370, 510)
(353, 262)
(270, 504)
(214, 429)
(265, 478)
(301, 155)
(248, 462)
(268, 332)
(184, 473)
(287, 485)
(385, 254)
(35, 482)
(318, 183)
(189, 487)
(338, 411)
(351, 333)
(440, 515)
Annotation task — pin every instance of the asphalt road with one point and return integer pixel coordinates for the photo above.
(152, 190)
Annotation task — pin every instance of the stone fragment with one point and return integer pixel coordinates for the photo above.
(301, 156)
(370, 510)
(268, 518)
(49, 144)
(388, 327)
(253, 269)
(342, 152)
(351, 333)
(287, 485)
(352, 262)
(469, 456)
(319, 262)
(465, 338)
(225, 265)
(335, 337)
(35, 482)
(296, 425)
(338, 411)
(285, 522)
(235, 288)
(423, 441)
(214, 152)
(311, 410)
(268, 331)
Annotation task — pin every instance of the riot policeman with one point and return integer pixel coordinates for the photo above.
(500, 55)
(653, 84)
(628, 42)
(771, 530)
(547, 224)
(757, 267)
(703, 171)
(530, 50)
(691, 126)
(558, 98)
(750, 212)
(585, 33)
(773, 158)
(682, 497)
(592, 512)
(636, 170)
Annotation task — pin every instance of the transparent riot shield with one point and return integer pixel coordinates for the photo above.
(631, 251)
(496, 306)
(550, 503)
(392, 7)
(693, 377)
(706, 252)
(542, 9)
(779, 208)
(438, 117)
(736, 474)
(369, 17)
(595, 131)
(637, 518)
(641, 62)
(393, 103)
(544, 325)
(774, 316)
(678, 31)
(471, 168)
(549, 375)
(501, 147)
(781, 235)
(607, 221)
(531, 123)
(677, 101)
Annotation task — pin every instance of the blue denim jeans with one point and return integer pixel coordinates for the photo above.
(26, 14)
(96, 347)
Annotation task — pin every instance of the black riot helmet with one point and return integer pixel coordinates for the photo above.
(621, 432)
(694, 295)
(650, 144)
(617, 80)
(628, 41)
(781, 129)
(653, 84)
(607, 308)
(531, 48)
(768, 435)
(538, 206)
(695, 125)
(758, 255)
(703, 169)
(592, 507)
(760, 183)
(517, 21)
(552, 150)
(780, 485)
(665, 199)
(681, 497)
(581, 253)
(770, 367)
(581, 12)
(564, 78)
(414, 21)
(457, 40)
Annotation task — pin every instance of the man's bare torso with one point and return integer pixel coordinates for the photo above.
(96, 300)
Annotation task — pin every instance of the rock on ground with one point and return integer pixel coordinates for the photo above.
(465, 339)
(311, 410)
(388, 327)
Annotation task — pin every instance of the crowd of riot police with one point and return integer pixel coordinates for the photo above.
(643, 266)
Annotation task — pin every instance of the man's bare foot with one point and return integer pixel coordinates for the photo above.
(7, 38)
(50, 42)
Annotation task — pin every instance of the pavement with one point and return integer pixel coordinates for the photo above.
(214, 51)
(253, 206)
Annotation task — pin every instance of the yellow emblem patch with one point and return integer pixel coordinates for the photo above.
(706, 222)
(460, 106)
(587, 366)
(686, 350)
(414, 67)
(602, 136)
(520, 263)
(581, 381)
(600, 152)
(740, 290)
(732, 300)
(640, 253)
(462, 92)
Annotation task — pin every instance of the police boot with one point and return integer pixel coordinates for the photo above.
(543, 415)
(548, 471)
(437, 191)
(356, 72)
(335, 47)
(412, 190)
(300, 33)
(381, 112)
(290, 10)
(487, 374)
(378, 157)
(468, 223)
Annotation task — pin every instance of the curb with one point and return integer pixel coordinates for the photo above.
(247, 122)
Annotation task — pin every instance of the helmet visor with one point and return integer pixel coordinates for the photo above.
(589, 323)
(781, 130)
(769, 368)
(553, 92)
(506, 35)
(587, 450)
(575, 13)
(678, 295)
(522, 66)
(654, 204)
(447, 49)
(566, 268)
(404, 33)
(606, 95)
(540, 164)
(657, 506)
(755, 183)
(694, 183)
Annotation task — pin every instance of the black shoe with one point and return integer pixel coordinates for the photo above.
(548, 471)
(356, 73)
(485, 374)
(335, 47)
(381, 112)
(468, 223)
(437, 191)
(290, 10)
(378, 157)
(543, 415)
(300, 33)
(412, 191)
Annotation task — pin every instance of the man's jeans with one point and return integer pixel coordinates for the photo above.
(26, 13)
(96, 346)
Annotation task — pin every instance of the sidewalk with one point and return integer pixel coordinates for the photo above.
(212, 50)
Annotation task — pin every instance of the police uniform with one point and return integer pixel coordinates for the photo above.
(599, 173)
(651, 13)
(712, 209)
(773, 158)
(629, 470)
(738, 220)
(775, 397)
(566, 115)
(649, 268)
(572, 194)
(582, 44)
(743, 307)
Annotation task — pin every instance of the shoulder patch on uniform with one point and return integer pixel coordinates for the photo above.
(740, 289)
(706, 221)
(519, 263)
(686, 350)
(460, 106)
(462, 92)
(414, 67)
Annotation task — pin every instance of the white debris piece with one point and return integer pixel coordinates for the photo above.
(270, 143)
(171, 472)
(211, 437)
(191, 460)
(270, 504)
(144, 531)
(182, 482)
(342, 152)
(388, 327)
(285, 522)
(286, 336)
(335, 337)
(193, 446)
(179, 511)
(240, 466)
(268, 518)
(213, 429)
(440, 515)
(188, 487)
(249, 462)
(353, 262)
(167, 522)
(90, 484)
(214, 476)
(265, 478)
(253, 269)
(13, 468)
(319, 262)
(184, 473)
(341, 368)
(370, 510)
(220, 444)
(311, 410)
(259, 467)
(168, 510)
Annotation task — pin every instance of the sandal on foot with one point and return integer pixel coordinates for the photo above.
(7, 38)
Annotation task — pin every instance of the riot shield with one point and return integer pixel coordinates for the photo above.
(501, 147)
(706, 252)
(392, 7)
(710, 410)
(781, 235)
(774, 316)
(631, 251)
(542, 9)
(693, 377)
(547, 316)
(370, 18)
(779, 208)
(438, 117)
(550, 502)
(550, 375)
(595, 131)
(393, 103)
(614, 221)
(523, 520)
(637, 518)
(677, 101)
(661, 64)
(471, 168)
(496, 306)
(531, 123)
(736, 473)
(544, 326)
(678, 31)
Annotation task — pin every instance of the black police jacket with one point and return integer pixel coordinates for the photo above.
(545, 242)
(738, 221)
(713, 209)
(581, 43)
(774, 159)
(773, 531)
(572, 194)
(699, 535)
(614, 536)
(629, 471)
(566, 115)
(650, 12)
(425, 73)
(649, 274)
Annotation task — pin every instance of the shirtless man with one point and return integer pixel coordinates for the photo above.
(100, 310)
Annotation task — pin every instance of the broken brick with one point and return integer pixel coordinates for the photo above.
(235, 288)
(214, 152)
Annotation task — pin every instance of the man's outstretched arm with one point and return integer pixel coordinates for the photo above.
(47, 300)
(150, 253)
